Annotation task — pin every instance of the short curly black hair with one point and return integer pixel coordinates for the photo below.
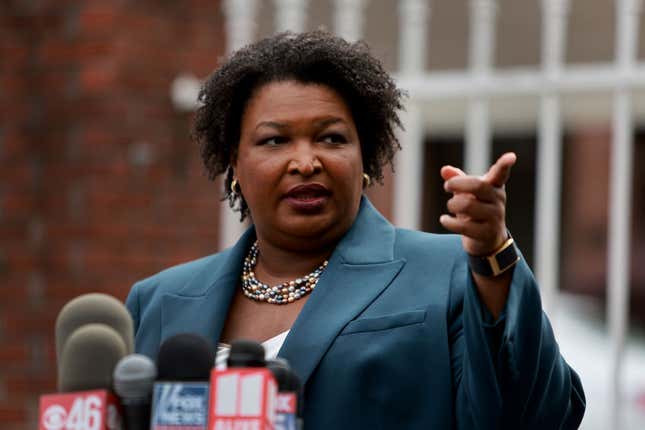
(317, 57)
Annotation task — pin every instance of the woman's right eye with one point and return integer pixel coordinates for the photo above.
(274, 140)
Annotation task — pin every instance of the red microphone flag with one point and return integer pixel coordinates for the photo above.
(242, 398)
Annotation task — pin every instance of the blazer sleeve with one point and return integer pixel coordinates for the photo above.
(133, 305)
(508, 374)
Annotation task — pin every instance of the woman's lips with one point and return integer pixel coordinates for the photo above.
(308, 197)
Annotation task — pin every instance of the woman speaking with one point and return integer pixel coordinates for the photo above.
(388, 328)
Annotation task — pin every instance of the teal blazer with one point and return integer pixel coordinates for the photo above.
(394, 336)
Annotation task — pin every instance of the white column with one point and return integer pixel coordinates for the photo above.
(240, 22)
(290, 15)
(620, 193)
(549, 152)
(477, 152)
(408, 180)
(408, 177)
(414, 16)
(349, 19)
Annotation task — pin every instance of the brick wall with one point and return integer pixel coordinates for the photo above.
(99, 183)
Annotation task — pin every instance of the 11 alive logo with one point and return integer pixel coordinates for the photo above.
(242, 399)
(180, 406)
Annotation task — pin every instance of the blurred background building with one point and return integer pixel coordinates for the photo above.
(100, 184)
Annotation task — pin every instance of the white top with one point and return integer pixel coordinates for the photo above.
(271, 347)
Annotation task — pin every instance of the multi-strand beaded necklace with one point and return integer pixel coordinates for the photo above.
(281, 294)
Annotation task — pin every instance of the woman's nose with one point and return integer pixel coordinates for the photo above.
(304, 160)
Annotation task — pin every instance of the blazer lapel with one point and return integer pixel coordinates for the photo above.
(201, 306)
(360, 268)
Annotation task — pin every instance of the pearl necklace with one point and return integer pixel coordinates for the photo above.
(282, 294)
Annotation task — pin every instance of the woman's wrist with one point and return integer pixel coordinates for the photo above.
(503, 258)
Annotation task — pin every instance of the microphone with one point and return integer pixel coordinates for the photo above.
(289, 407)
(90, 309)
(85, 367)
(244, 395)
(246, 353)
(134, 377)
(180, 397)
(89, 357)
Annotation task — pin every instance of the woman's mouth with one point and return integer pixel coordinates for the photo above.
(308, 197)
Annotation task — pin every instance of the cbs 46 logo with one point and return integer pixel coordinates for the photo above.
(85, 414)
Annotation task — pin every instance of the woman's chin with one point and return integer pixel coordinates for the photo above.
(312, 224)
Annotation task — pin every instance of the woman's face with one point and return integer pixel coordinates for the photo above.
(299, 164)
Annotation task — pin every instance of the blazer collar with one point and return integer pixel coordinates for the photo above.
(360, 268)
(202, 304)
(370, 239)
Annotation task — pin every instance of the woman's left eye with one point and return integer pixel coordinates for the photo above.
(334, 138)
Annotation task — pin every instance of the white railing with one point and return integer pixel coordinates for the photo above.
(479, 86)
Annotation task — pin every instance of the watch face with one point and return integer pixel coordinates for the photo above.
(496, 264)
(507, 257)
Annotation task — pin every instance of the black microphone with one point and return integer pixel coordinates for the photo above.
(246, 353)
(289, 408)
(134, 377)
(180, 395)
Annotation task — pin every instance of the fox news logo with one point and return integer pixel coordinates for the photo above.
(285, 421)
(180, 406)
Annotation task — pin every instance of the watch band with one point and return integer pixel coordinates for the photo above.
(505, 257)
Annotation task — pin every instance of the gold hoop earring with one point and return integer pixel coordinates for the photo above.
(367, 181)
(234, 187)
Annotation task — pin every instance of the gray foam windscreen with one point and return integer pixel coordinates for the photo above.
(89, 357)
(94, 308)
(134, 377)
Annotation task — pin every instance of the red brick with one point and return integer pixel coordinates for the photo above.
(30, 384)
(17, 174)
(57, 51)
(20, 258)
(18, 204)
(10, 416)
(14, 290)
(14, 144)
(98, 18)
(62, 289)
(21, 322)
(13, 353)
(98, 76)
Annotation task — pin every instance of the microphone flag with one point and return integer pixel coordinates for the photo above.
(242, 398)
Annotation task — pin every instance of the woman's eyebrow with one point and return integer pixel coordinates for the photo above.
(320, 123)
(328, 121)
(272, 124)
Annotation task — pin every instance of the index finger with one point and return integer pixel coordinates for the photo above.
(473, 185)
(499, 172)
